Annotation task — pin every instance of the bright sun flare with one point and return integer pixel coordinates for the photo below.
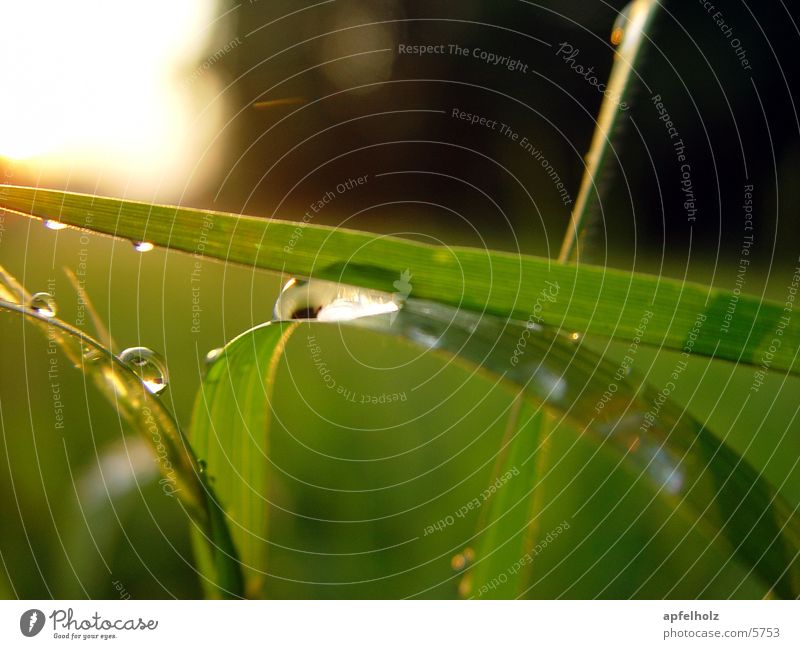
(96, 79)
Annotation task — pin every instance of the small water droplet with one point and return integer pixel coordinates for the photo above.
(664, 469)
(202, 466)
(553, 385)
(575, 336)
(213, 355)
(142, 246)
(620, 25)
(54, 225)
(148, 366)
(424, 338)
(44, 304)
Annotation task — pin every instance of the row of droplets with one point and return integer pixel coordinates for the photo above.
(148, 365)
(138, 246)
(151, 368)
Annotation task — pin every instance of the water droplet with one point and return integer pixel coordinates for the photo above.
(201, 464)
(54, 225)
(142, 246)
(664, 469)
(213, 355)
(148, 366)
(575, 336)
(620, 25)
(44, 304)
(553, 385)
(331, 302)
(424, 338)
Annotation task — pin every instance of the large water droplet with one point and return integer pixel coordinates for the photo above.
(54, 225)
(44, 304)
(331, 302)
(148, 366)
(142, 246)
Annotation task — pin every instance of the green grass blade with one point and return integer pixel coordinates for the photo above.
(686, 464)
(230, 432)
(636, 20)
(509, 518)
(670, 455)
(148, 417)
(589, 299)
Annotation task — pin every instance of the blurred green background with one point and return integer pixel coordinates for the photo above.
(356, 485)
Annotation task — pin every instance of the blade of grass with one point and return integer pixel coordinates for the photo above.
(636, 20)
(100, 328)
(589, 299)
(670, 454)
(510, 509)
(146, 415)
(682, 460)
(230, 431)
